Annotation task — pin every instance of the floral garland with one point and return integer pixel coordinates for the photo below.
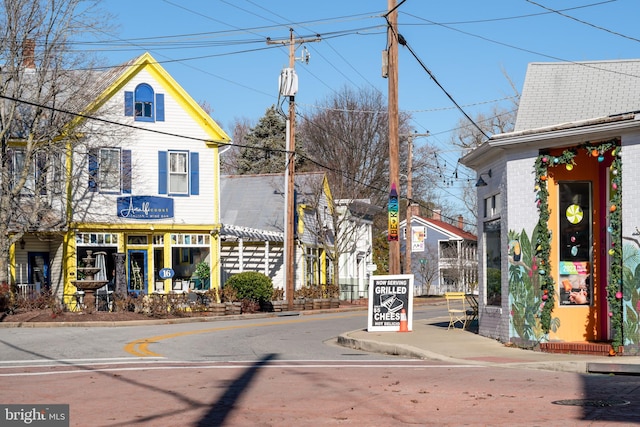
(543, 242)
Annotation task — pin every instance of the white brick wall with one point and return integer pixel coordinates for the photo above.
(630, 189)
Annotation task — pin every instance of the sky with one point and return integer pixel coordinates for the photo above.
(478, 51)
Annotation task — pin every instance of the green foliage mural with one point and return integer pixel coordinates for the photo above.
(525, 293)
(631, 293)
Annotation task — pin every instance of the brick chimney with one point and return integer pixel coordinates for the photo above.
(29, 53)
(437, 215)
(460, 222)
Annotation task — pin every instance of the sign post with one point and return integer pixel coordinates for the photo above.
(389, 298)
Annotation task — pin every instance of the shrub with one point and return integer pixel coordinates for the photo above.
(229, 294)
(277, 294)
(251, 285)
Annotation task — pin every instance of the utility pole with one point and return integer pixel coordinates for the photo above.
(408, 244)
(289, 87)
(392, 62)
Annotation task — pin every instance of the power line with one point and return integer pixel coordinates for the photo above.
(176, 135)
(584, 22)
(404, 43)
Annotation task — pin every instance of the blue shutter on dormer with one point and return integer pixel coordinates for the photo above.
(160, 107)
(93, 169)
(162, 172)
(126, 171)
(128, 103)
(195, 174)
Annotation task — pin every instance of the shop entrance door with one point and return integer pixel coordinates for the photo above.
(137, 273)
(39, 269)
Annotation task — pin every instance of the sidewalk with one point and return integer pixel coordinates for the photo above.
(432, 340)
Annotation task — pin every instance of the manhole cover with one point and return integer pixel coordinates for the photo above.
(592, 402)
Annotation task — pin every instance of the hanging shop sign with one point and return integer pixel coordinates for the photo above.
(145, 207)
(390, 302)
(418, 235)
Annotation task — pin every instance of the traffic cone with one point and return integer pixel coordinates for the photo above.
(404, 324)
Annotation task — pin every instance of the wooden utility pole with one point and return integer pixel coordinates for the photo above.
(289, 232)
(392, 62)
(408, 246)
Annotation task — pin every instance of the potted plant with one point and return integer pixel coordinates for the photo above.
(202, 273)
(277, 300)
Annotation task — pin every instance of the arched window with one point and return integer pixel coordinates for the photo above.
(143, 102)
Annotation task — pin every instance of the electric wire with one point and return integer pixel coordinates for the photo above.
(584, 22)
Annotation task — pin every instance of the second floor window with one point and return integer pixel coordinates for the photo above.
(44, 173)
(178, 183)
(178, 173)
(110, 170)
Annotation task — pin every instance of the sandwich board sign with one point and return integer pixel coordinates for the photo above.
(390, 300)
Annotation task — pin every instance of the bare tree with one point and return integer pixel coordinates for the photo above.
(349, 139)
(41, 88)
(229, 156)
(468, 137)
(428, 268)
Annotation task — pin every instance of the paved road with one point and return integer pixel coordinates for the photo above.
(311, 393)
(236, 375)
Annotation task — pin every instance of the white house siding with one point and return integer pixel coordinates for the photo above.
(145, 145)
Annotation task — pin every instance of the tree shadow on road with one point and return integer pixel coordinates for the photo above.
(221, 409)
(218, 411)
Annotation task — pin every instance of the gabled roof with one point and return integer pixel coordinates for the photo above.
(256, 202)
(109, 82)
(564, 92)
(360, 208)
(452, 231)
(566, 103)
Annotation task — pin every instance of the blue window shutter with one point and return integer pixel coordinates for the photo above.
(128, 103)
(160, 107)
(93, 169)
(195, 174)
(162, 172)
(126, 171)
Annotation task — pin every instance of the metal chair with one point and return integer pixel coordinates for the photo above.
(457, 308)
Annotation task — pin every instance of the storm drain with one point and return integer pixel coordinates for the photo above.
(599, 403)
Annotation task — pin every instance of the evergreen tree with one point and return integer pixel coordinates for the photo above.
(264, 147)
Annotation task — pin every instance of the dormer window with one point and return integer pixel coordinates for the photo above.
(144, 104)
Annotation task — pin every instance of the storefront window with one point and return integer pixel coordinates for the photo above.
(492, 261)
(575, 243)
(187, 251)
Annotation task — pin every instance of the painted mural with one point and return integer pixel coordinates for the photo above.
(631, 295)
(525, 294)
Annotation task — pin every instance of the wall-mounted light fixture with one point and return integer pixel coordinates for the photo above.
(481, 182)
(22, 243)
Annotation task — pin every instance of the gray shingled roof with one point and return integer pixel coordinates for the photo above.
(556, 93)
(257, 201)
